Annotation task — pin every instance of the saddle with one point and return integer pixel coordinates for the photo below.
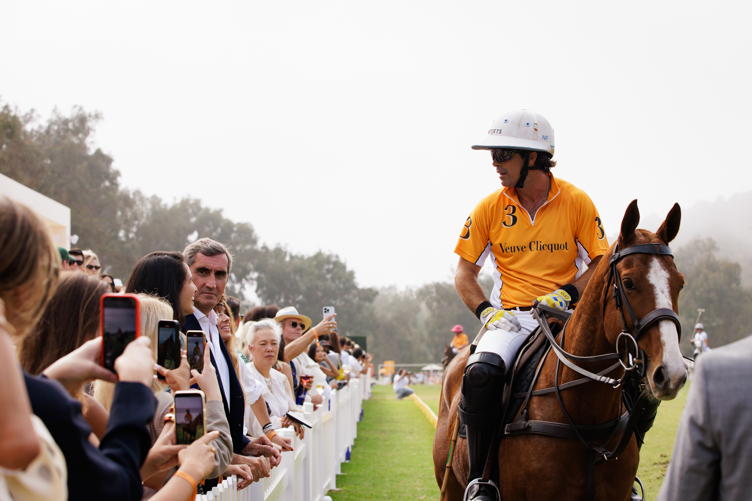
(519, 388)
(524, 370)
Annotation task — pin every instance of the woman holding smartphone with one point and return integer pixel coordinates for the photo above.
(29, 268)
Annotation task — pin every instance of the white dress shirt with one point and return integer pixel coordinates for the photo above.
(208, 324)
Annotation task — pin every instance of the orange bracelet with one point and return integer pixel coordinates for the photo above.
(187, 478)
(270, 434)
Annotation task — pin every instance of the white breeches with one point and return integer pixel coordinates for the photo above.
(505, 343)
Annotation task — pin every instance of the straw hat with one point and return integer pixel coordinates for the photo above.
(292, 312)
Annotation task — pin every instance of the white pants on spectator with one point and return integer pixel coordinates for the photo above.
(505, 343)
(404, 392)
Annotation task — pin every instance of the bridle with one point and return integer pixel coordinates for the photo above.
(638, 325)
(632, 326)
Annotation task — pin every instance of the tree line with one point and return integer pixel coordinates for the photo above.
(58, 158)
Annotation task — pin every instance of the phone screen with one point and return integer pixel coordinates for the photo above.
(195, 349)
(119, 326)
(189, 417)
(168, 344)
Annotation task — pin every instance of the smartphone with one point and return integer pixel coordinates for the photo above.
(327, 311)
(168, 344)
(195, 346)
(120, 321)
(190, 416)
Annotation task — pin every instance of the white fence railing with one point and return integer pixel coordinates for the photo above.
(309, 471)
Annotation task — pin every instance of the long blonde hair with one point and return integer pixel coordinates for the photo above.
(29, 265)
(153, 309)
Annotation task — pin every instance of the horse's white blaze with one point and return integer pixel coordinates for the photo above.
(673, 361)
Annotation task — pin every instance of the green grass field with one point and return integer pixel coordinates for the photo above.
(391, 458)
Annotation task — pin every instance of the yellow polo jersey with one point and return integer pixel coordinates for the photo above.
(533, 254)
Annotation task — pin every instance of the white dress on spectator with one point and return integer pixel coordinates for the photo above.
(276, 396)
(345, 358)
(45, 478)
(355, 367)
(252, 391)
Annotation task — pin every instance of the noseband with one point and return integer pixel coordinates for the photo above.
(638, 325)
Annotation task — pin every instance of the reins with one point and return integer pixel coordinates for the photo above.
(632, 362)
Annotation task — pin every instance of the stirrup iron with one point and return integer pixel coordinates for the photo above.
(476, 484)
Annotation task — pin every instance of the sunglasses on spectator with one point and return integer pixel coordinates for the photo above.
(75, 262)
(295, 324)
(93, 267)
(500, 156)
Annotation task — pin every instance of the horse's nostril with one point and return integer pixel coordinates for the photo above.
(659, 376)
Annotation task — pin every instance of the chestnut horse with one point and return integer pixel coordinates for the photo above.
(631, 296)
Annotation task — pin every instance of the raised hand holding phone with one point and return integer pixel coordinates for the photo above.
(79, 366)
(207, 378)
(195, 348)
(120, 323)
(190, 416)
(136, 363)
(168, 344)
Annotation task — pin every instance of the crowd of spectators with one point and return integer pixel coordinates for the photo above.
(72, 429)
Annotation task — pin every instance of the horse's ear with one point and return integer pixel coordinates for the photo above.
(629, 223)
(670, 227)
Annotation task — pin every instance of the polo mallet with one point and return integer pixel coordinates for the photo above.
(456, 428)
(700, 311)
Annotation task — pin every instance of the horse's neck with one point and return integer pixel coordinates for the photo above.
(585, 333)
(585, 336)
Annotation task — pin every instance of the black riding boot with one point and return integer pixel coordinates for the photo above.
(480, 409)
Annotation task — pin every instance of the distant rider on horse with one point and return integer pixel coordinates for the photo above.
(699, 340)
(541, 233)
(459, 340)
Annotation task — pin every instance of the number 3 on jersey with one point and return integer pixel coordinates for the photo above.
(466, 229)
(601, 231)
(509, 216)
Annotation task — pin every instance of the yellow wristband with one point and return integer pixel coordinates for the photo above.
(187, 478)
(270, 434)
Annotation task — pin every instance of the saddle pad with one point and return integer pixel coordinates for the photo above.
(522, 377)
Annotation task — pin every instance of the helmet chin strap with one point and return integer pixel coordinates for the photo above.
(524, 171)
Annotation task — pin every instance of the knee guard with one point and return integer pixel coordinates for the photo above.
(482, 386)
(480, 408)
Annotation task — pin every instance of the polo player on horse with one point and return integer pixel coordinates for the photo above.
(542, 233)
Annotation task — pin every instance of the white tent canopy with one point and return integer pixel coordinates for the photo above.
(432, 367)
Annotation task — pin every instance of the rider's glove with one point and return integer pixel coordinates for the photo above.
(494, 318)
(559, 299)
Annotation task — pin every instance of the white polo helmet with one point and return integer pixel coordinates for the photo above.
(699, 326)
(519, 130)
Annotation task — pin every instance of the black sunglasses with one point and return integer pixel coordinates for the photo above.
(500, 156)
(295, 324)
(93, 267)
(75, 262)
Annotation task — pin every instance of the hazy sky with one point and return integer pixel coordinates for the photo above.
(346, 125)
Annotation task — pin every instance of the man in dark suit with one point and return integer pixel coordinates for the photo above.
(210, 264)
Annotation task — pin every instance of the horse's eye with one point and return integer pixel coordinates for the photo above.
(628, 283)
